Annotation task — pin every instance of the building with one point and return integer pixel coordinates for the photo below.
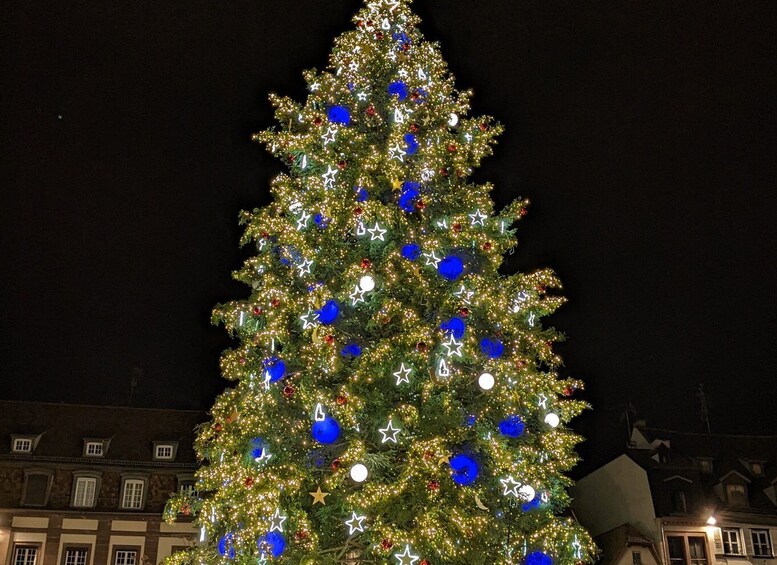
(86, 485)
(677, 498)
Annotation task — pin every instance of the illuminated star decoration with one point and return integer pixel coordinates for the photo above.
(362, 96)
(464, 294)
(396, 152)
(577, 548)
(511, 487)
(319, 496)
(432, 259)
(376, 232)
(309, 319)
(542, 401)
(389, 433)
(329, 135)
(276, 522)
(266, 455)
(303, 220)
(405, 558)
(329, 177)
(453, 346)
(357, 295)
(304, 267)
(355, 524)
(403, 375)
(477, 217)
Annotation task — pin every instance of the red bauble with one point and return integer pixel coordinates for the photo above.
(341, 400)
(379, 35)
(425, 562)
(357, 211)
(569, 391)
(541, 288)
(523, 212)
(421, 347)
(444, 172)
(242, 361)
(217, 427)
(300, 535)
(414, 128)
(457, 227)
(288, 391)
(249, 481)
(428, 455)
(275, 302)
(483, 127)
(433, 486)
(186, 510)
(336, 464)
(420, 204)
(341, 165)
(366, 263)
(258, 311)
(464, 312)
(386, 544)
(330, 339)
(520, 363)
(405, 47)
(370, 110)
(265, 235)
(451, 148)
(487, 246)
(317, 121)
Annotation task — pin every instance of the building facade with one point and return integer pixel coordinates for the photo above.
(675, 498)
(86, 485)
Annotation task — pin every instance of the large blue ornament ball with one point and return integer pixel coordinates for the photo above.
(455, 326)
(411, 251)
(465, 469)
(538, 558)
(339, 115)
(275, 369)
(226, 546)
(407, 197)
(273, 542)
(329, 312)
(326, 430)
(512, 426)
(411, 143)
(256, 447)
(492, 347)
(351, 350)
(398, 88)
(451, 267)
(361, 194)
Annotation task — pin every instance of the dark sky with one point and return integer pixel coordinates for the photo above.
(643, 131)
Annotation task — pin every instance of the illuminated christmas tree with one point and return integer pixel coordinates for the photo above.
(396, 398)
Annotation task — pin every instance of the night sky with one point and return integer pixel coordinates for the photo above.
(644, 132)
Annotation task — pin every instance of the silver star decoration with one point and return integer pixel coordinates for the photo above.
(329, 135)
(303, 220)
(355, 524)
(477, 217)
(315, 86)
(374, 7)
(329, 177)
(403, 375)
(405, 558)
(402, 73)
(577, 548)
(464, 294)
(542, 401)
(362, 96)
(304, 267)
(266, 455)
(511, 487)
(392, 5)
(392, 55)
(396, 152)
(468, 136)
(432, 259)
(376, 232)
(276, 522)
(453, 346)
(532, 316)
(357, 295)
(353, 67)
(389, 433)
(309, 319)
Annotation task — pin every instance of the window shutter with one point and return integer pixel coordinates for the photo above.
(749, 542)
(771, 540)
(718, 540)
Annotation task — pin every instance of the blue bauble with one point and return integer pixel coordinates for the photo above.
(512, 426)
(470, 421)
(273, 542)
(538, 558)
(532, 504)
(339, 115)
(465, 469)
(411, 251)
(274, 368)
(361, 194)
(451, 267)
(329, 312)
(326, 430)
(492, 347)
(411, 143)
(455, 327)
(409, 194)
(351, 350)
(399, 88)
(256, 447)
(226, 546)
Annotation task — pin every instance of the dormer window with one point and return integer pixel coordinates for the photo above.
(756, 467)
(737, 495)
(705, 465)
(21, 445)
(94, 448)
(165, 450)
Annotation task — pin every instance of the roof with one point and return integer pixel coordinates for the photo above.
(131, 431)
(615, 542)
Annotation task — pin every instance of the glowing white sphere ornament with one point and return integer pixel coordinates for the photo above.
(486, 381)
(359, 473)
(367, 283)
(552, 420)
(453, 120)
(527, 493)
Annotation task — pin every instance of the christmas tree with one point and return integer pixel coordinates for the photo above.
(396, 398)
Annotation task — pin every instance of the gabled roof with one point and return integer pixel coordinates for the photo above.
(614, 543)
(132, 431)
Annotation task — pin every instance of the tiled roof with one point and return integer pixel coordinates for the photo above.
(131, 431)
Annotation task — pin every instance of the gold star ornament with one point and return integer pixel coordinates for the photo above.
(319, 496)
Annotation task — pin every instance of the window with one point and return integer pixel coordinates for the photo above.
(25, 555)
(679, 502)
(756, 468)
(76, 556)
(731, 543)
(163, 451)
(636, 558)
(188, 488)
(737, 495)
(93, 448)
(22, 445)
(133, 494)
(706, 465)
(85, 492)
(762, 543)
(36, 488)
(687, 550)
(126, 557)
